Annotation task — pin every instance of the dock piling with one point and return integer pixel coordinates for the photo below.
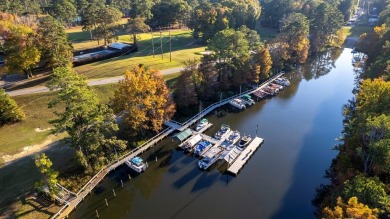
(122, 183)
(113, 191)
(97, 214)
(156, 158)
(106, 202)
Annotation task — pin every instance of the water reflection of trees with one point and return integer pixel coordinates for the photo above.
(320, 64)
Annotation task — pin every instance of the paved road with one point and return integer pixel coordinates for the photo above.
(92, 82)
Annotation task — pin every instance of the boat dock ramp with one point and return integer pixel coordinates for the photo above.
(244, 156)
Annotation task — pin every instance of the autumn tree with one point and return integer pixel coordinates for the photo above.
(89, 124)
(20, 48)
(136, 26)
(265, 63)
(294, 32)
(49, 181)
(9, 110)
(143, 100)
(185, 90)
(53, 42)
(354, 209)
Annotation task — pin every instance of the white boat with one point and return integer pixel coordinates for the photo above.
(137, 164)
(191, 142)
(201, 124)
(247, 100)
(210, 157)
(237, 103)
(233, 138)
(225, 129)
(244, 141)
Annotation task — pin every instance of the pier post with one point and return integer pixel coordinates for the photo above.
(113, 191)
(122, 183)
(106, 202)
(156, 158)
(97, 214)
(129, 176)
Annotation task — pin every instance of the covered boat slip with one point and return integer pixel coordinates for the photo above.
(245, 155)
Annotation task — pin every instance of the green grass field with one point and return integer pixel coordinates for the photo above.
(183, 48)
(356, 31)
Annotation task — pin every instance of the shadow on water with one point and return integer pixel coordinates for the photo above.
(205, 181)
(188, 177)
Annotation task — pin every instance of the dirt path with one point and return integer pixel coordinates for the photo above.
(51, 141)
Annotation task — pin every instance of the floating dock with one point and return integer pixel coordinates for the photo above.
(245, 155)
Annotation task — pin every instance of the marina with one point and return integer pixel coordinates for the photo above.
(172, 126)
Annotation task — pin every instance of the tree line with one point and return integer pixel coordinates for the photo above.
(360, 174)
(240, 59)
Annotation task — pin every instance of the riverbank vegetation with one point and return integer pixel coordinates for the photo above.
(360, 174)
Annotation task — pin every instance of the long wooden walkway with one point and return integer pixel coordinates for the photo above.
(87, 188)
(212, 107)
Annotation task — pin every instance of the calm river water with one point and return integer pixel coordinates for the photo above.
(299, 127)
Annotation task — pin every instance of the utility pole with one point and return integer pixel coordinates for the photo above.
(162, 57)
(170, 44)
(151, 31)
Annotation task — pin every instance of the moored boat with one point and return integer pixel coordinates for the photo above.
(244, 141)
(247, 100)
(137, 164)
(233, 137)
(201, 124)
(237, 103)
(201, 146)
(222, 132)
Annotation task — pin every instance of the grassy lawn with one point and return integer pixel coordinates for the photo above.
(183, 48)
(356, 31)
(14, 138)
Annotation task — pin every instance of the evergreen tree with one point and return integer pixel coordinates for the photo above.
(9, 110)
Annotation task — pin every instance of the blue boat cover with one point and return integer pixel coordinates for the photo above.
(137, 160)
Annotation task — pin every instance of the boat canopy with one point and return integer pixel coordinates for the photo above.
(137, 160)
(247, 96)
(183, 135)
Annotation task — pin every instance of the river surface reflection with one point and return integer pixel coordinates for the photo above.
(299, 128)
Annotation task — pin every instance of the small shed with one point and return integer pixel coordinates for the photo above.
(183, 135)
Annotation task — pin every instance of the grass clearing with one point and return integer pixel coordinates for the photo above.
(267, 33)
(356, 31)
(183, 48)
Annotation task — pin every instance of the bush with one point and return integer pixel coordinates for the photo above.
(9, 110)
